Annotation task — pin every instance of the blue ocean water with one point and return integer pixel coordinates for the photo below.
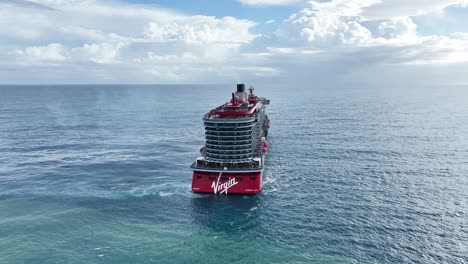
(100, 174)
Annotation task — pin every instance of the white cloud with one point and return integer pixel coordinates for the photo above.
(442, 50)
(15, 23)
(184, 58)
(80, 33)
(267, 2)
(281, 50)
(90, 34)
(53, 52)
(327, 24)
(201, 29)
(100, 53)
(341, 23)
(336, 39)
(101, 41)
(398, 27)
(348, 8)
(391, 8)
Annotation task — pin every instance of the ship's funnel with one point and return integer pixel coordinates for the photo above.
(241, 88)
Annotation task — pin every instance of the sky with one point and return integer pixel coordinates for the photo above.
(295, 42)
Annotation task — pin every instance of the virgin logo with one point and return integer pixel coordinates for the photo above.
(223, 187)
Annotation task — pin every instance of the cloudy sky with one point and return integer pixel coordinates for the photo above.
(224, 41)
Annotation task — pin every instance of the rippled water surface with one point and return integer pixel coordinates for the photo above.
(100, 174)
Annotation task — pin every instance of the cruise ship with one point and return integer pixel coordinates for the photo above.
(233, 157)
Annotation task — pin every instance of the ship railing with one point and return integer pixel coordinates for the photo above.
(240, 132)
(227, 147)
(228, 138)
(222, 145)
(233, 140)
(222, 166)
(234, 126)
(231, 152)
(239, 128)
(233, 146)
(228, 160)
(230, 122)
(216, 119)
(229, 156)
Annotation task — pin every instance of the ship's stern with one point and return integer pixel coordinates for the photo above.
(223, 182)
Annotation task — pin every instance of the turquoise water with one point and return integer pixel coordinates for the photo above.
(100, 174)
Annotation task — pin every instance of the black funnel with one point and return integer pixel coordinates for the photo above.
(241, 88)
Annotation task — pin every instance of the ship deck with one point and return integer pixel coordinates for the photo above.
(246, 169)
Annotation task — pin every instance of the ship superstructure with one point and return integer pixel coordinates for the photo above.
(232, 159)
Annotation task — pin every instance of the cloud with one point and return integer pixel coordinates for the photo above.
(338, 40)
(106, 37)
(392, 8)
(341, 24)
(23, 3)
(327, 24)
(18, 24)
(335, 38)
(399, 28)
(100, 53)
(201, 29)
(267, 2)
(53, 52)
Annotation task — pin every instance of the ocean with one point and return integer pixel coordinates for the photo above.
(100, 174)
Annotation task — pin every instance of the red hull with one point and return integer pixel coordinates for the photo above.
(227, 182)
